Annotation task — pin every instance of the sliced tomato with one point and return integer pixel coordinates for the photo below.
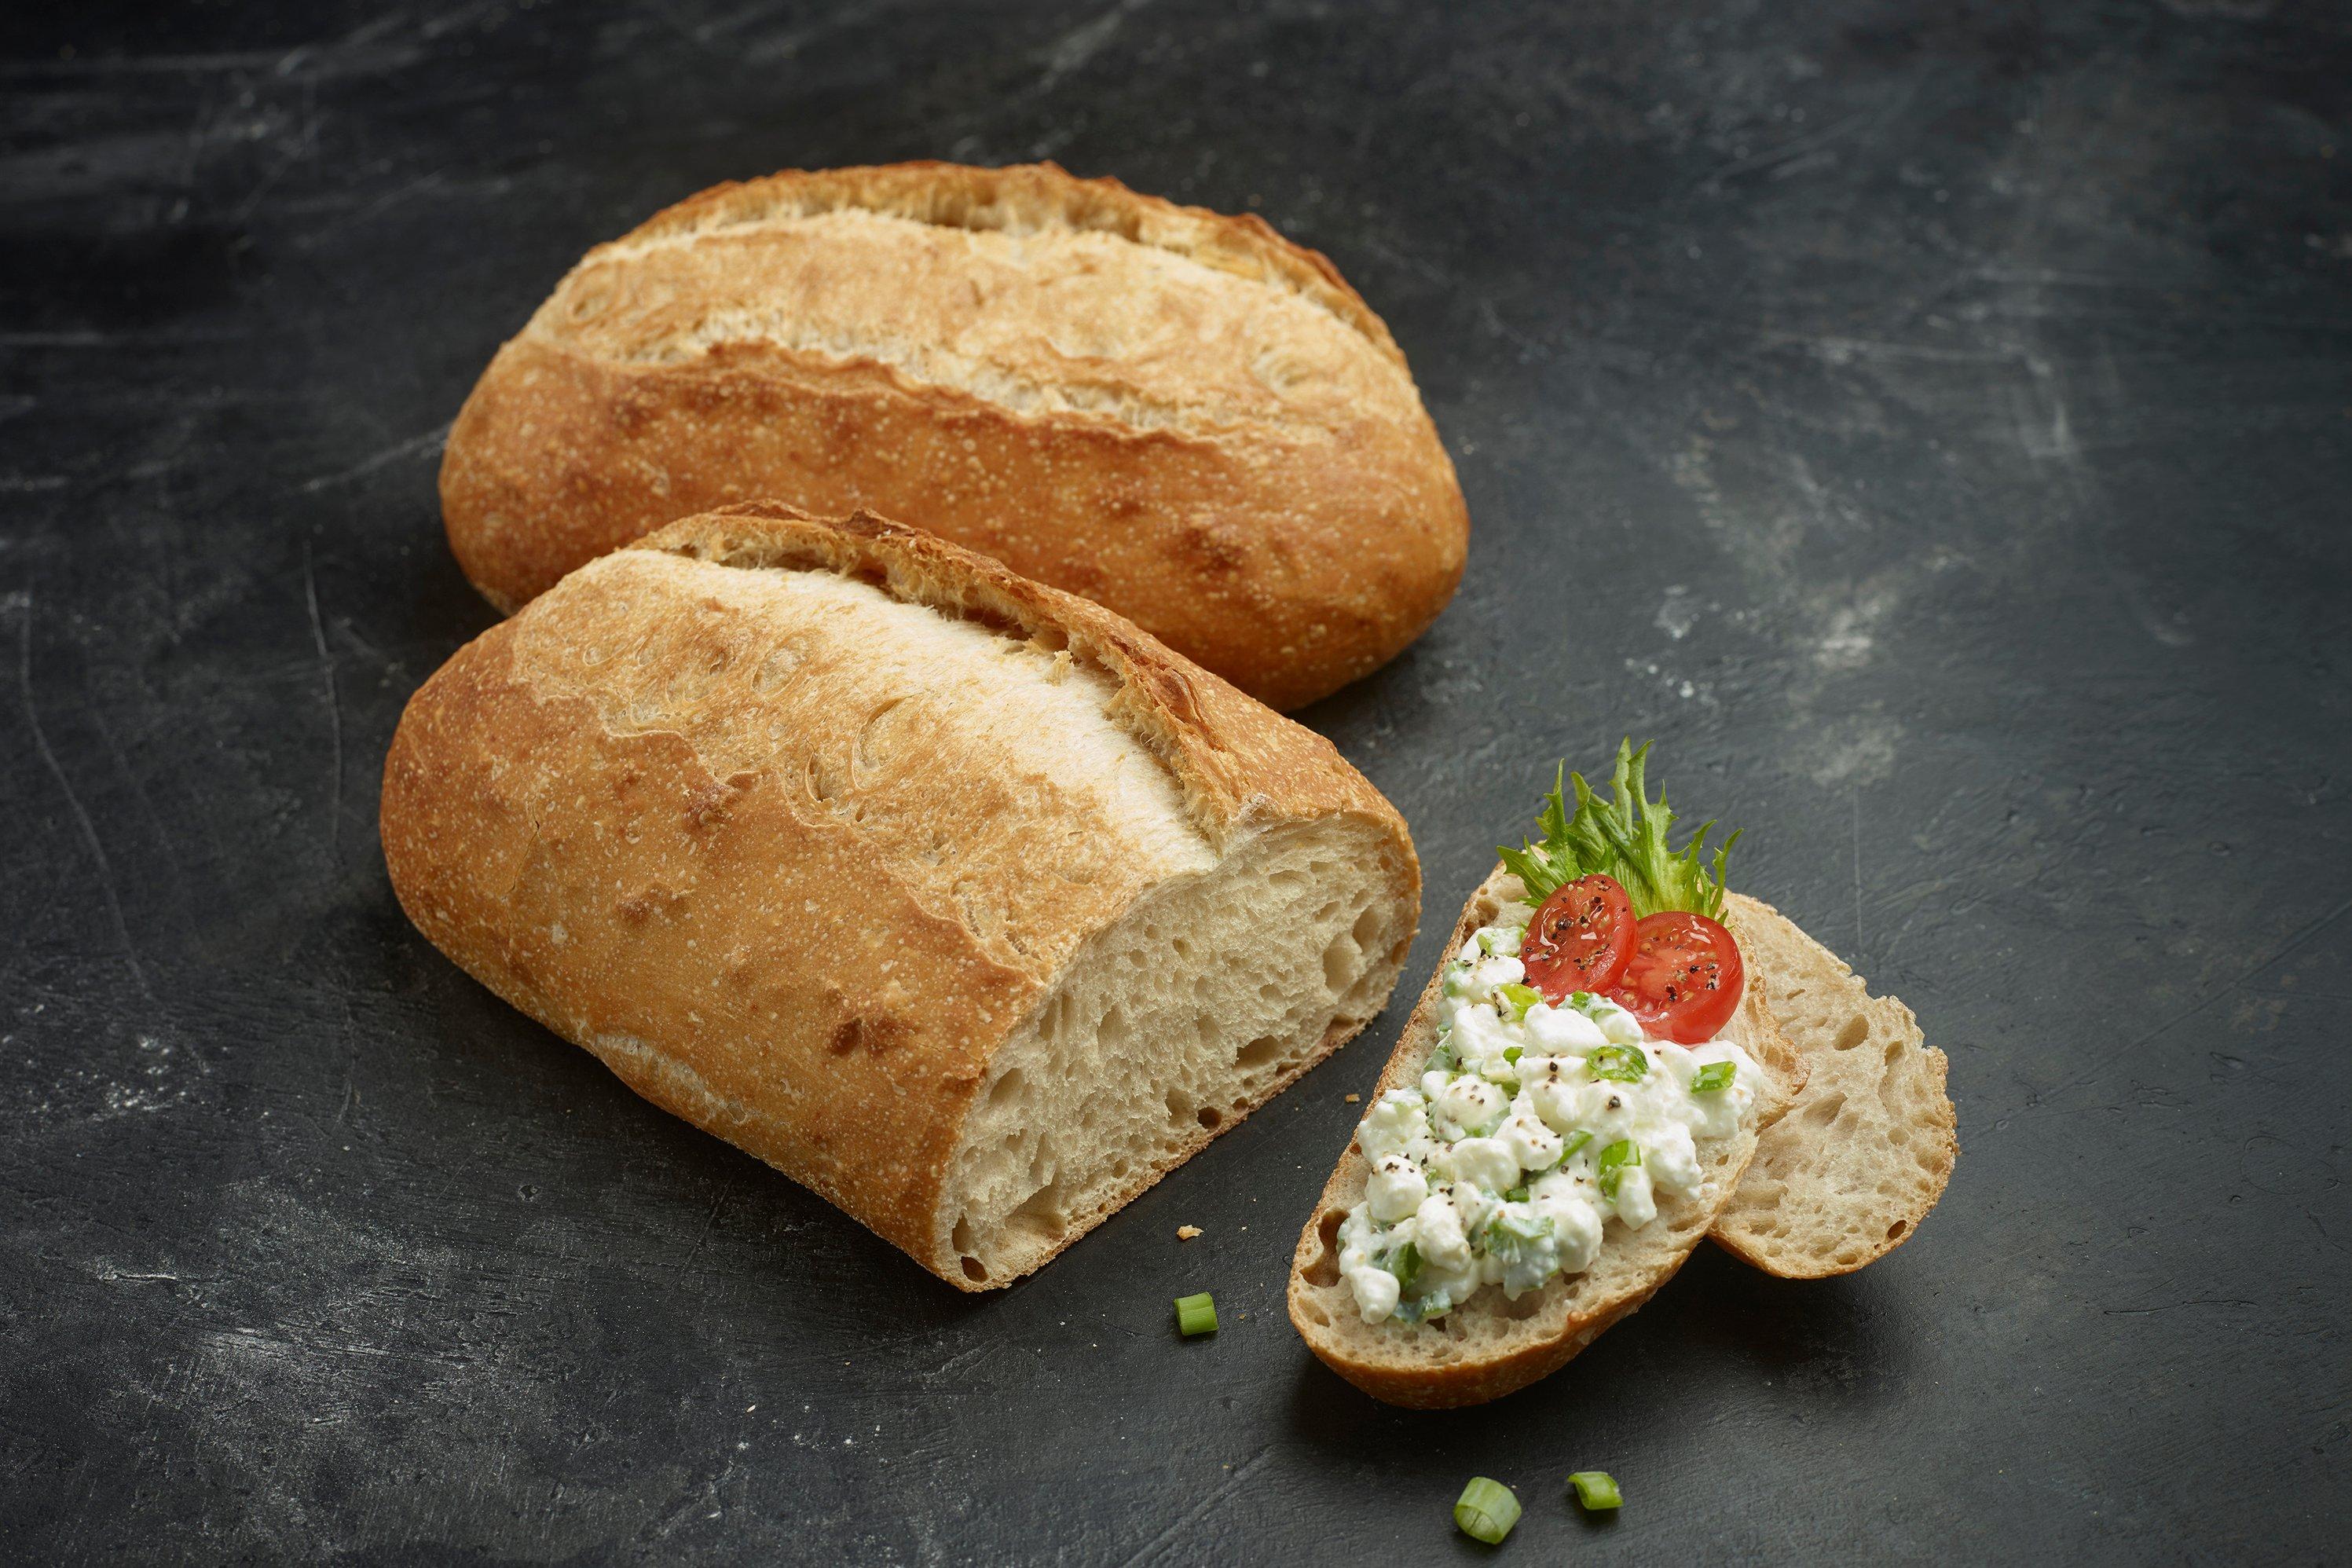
(1683, 978)
(1580, 938)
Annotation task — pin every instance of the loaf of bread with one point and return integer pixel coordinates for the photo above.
(1848, 1174)
(954, 897)
(1176, 413)
(1490, 1345)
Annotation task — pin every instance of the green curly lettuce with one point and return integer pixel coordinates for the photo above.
(1624, 837)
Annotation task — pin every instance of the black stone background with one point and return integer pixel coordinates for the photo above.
(1933, 422)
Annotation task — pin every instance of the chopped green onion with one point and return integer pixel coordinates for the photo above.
(1512, 1054)
(1405, 1264)
(1509, 1235)
(1444, 1059)
(1618, 1064)
(1615, 1160)
(1517, 1194)
(1596, 1490)
(1714, 1075)
(1486, 1510)
(1520, 997)
(1196, 1315)
(1575, 1143)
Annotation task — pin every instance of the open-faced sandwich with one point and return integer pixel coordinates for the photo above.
(1614, 1043)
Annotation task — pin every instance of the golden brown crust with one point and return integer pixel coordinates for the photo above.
(613, 811)
(1630, 1269)
(1174, 412)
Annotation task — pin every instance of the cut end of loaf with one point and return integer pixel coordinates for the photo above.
(1167, 1029)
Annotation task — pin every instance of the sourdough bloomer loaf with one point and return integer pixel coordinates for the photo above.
(1173, 413)
(954, 897)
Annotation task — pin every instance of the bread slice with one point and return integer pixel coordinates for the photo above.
(1848, 1174)
(1172, 412)
(956, 898)
(1489, 1346)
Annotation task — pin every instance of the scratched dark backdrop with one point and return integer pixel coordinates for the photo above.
(1934, 423)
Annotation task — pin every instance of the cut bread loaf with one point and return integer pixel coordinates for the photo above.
(1489, 1345)
(956, 898)
(1848, 1174)
(1177, 414)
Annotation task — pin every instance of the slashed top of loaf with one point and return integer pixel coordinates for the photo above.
(1237, 764)
(983, 767)
(1022, 289)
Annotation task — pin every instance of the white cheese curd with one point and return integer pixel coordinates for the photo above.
(1468, 1107)
(1438, 1233)
(1533, 1126)
(1396, 1188)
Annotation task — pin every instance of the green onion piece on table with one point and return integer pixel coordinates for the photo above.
(1596, 1490)
(1196, 1315)
(1486, 1510)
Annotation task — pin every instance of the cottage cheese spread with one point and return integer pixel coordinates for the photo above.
(1531, 1128)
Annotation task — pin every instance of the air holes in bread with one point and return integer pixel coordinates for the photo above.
(1825, 1110)
(1258, 1053)
(1341, 958)
(1041, 1214)
(1211, 1118)
(1005, 1089)
(1856, 1030)
(1324, 1272)
(974, 1271)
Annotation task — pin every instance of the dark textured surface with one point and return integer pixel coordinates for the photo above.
(1934, 423)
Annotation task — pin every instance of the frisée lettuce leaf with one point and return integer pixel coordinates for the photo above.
(1623, 836)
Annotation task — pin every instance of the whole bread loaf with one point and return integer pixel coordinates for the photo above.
(1176, 413)
(956, 898)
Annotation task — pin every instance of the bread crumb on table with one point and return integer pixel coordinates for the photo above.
(1187, 1232)
(1355, 1099)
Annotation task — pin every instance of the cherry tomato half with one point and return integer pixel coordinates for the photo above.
(1684, 979)
(1580, 938)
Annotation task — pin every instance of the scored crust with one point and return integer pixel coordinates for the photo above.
(1862, 1156)
(610, 811)
(1175, 413)
(1489, 1346)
